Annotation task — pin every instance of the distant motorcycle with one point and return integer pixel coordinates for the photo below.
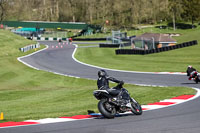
(195, 77)
(109, 105)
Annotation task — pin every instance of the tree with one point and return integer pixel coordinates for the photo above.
(176, 10)
(120, 13)
(191, 10)
(3, 4)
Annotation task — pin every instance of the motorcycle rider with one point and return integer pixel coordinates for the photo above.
(190, 69)
(191, 72)
(103, 83)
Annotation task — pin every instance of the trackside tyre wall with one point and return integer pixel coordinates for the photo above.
(157, 50)
(103, 111)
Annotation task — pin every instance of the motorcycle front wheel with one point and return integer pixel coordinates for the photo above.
(106, 109)
(136, 108)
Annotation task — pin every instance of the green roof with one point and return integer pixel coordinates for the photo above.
(43, 24)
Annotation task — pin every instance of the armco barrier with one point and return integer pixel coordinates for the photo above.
(89, 39)
(107, 45)
(47, 39)
(29, 47)
(157, 50)
(96, 39)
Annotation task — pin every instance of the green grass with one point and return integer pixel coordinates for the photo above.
(21, 104)
(26, 93)
(170, 61)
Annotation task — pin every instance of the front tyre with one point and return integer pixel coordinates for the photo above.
(106, 109)
(136, 108)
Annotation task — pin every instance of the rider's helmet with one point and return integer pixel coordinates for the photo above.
(189, 66)
(102, 73)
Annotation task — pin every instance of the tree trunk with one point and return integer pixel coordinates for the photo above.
(174, 21)
(192, 22)
(74, 19)
(2, 12)
(57, 10)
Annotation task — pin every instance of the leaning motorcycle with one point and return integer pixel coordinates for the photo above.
(195, 77)
(110, 105)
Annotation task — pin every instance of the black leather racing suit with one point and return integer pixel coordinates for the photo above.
(103, 84)
(190, 70)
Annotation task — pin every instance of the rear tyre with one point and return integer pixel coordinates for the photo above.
(197, 80)
(106, 109)
(136, 108)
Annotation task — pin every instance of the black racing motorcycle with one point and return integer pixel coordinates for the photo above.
(110, 105)
(195, 77)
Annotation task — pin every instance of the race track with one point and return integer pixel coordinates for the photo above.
(182, 118)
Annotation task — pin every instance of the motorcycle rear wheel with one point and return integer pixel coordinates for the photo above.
(106, 109)
(136, 108)
(197, 80)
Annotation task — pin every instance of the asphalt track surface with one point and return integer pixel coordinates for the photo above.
(182, 118)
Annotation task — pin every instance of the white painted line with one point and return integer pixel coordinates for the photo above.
(173, 100)
(51, 39)
(151, 85)
(51, 120)
(42, 38)
(19, 58)
(151, 107)
(196, 95)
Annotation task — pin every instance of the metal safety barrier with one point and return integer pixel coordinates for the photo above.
(29, 47)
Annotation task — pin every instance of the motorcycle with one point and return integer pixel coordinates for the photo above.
(110, 105)
(195, 77)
